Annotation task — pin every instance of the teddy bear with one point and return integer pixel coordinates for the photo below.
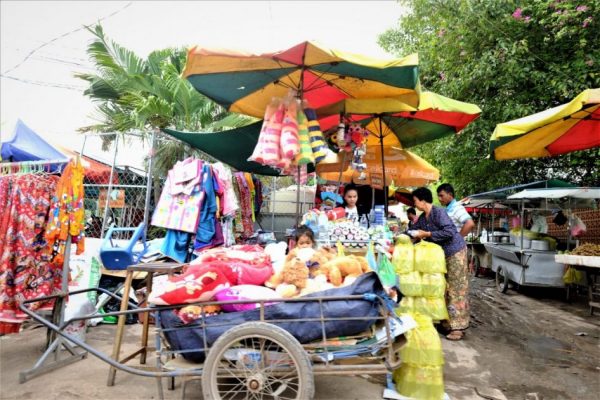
(343, 268)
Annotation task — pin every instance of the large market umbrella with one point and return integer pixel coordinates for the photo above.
(402, 167)
(559, 130)
(246, 83)
(392, 123)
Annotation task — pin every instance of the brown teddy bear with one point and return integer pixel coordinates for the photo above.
(340, 268)
(293, 275)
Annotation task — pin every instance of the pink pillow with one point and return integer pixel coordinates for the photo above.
(245, 292)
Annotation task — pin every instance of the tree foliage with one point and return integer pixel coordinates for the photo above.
(512, 58)
(136, 94)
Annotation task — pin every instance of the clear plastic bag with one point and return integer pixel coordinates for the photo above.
(429, 258)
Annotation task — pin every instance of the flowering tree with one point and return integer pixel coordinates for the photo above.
(512, 58)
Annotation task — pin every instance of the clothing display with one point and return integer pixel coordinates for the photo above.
(218, 205)
(179, 205)
(26, 268)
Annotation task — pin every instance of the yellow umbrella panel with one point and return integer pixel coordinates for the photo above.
(559, 130)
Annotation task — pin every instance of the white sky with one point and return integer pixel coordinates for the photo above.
(142, 26)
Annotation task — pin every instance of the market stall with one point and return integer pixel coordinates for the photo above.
(529, 258)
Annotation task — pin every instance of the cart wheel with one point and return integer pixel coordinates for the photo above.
(257, 361)
(501, 280)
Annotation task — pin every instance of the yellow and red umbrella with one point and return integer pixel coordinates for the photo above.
(559, 130)
(246, 83)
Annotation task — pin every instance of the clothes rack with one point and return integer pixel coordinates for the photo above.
(53, 357)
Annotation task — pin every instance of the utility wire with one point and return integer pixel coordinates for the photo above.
(46, 84)
(58, 38)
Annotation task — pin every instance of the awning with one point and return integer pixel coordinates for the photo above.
(232, 147)
(557, 193)
(26, 145)
(504, 192)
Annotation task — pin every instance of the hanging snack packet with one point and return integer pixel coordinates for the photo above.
(290, 146)
(305, 156)
(317, 141)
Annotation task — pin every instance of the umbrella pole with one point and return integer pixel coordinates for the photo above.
(298, 197)
(385, 197)
(341, 172)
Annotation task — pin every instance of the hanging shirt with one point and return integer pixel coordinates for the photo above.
(206, 227)
(229, 204)
(181, 198)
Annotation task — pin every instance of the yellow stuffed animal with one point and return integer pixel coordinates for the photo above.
(339, 268)
(293, 275)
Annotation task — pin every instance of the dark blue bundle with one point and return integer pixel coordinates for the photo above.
(189, 337)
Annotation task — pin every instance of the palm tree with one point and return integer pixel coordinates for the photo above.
(145, 95)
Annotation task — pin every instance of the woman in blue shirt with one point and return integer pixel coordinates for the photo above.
(435, 225)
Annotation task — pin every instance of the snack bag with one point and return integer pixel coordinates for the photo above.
(429, 258)
(317, 141)
(403, 257)
(290, 146)
(305, 156)
(410, 284)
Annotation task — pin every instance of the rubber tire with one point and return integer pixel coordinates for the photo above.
(501, 286)
(272, 332)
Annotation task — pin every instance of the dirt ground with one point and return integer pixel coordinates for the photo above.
(521, 345)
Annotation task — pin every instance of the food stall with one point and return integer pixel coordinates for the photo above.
(530, 260)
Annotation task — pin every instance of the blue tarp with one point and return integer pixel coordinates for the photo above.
(26, 145)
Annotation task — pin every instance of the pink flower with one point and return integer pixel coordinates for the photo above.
(441, 32)
(442, 76)
(587, 21)
(558, 11)
(527, 18)
(582, 8)
(517, 13)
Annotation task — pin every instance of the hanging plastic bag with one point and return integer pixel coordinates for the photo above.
(305, 156)
(429, 258)
(410, 284)
(370, 256)
(434, 285)
(386, 272)
(317, 141)
(578, 228)
(403, 256)
(572, 276)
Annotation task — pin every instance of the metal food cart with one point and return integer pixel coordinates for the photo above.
(530, 267)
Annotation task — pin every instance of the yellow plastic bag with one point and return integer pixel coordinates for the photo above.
(433, 307)
(433, 285)
(423, 345)
(429, 258)
(340, 249)
(573, 276)
(403, 258)
(407, 306)
(420, 382)
(410, 284)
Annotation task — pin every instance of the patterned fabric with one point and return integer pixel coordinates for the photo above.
(26, 270)
(67, 214)
(245, 205)
(457, 214)
(317, 141)
(180, 201)
(443, 231)
(457, 290)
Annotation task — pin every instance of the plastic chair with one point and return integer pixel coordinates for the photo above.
(119, 258)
